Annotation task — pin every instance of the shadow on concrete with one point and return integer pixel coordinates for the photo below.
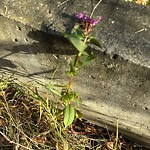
(6, 63)
(45, 43)
(41, 72)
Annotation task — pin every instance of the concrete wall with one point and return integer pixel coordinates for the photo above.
(115, 85)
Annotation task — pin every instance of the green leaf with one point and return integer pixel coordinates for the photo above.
(68, 97)
(78, 36)
(69, 114)
(78, 32)
(72, 71)
(78, 114)
(77, 26)
(78, 101)
(94, 41)
(77, 43)
(85, 60)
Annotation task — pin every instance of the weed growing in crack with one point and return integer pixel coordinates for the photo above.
(79, 37)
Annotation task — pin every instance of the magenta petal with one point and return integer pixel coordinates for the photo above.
(95, 22)
(80, 15)
(87, 19)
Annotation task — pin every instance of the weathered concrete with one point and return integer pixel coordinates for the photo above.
(113, 86)
(121, 30)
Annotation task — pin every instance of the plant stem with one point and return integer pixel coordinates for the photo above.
(70, 83)
(71, 78)
(116, 141)
(75, 64)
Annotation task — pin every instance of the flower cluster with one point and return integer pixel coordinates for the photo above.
(87, 22)
(91, 22)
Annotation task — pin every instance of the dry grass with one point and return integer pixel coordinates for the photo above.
(28, 121)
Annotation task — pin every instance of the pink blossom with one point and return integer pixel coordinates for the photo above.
(85, 18)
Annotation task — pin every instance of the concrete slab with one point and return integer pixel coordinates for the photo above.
(115, 85)
(125, 29)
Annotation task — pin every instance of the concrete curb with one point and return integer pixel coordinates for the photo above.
(124, 31)
(115, 85)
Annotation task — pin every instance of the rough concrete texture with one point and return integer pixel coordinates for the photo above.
(115, 85)
(124, 29)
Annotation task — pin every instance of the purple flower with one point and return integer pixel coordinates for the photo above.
(96, 21)
(80, 15)
(85, 18)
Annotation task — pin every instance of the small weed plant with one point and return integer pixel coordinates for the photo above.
(79, 37)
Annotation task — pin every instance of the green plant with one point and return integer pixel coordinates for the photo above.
(79, 37)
